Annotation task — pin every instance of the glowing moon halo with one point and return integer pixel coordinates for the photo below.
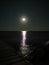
(24, 19)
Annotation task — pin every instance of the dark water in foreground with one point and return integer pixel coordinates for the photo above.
(10, 48)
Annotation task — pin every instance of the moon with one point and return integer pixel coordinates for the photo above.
(23, 19)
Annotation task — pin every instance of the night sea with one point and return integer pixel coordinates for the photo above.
(24, 32)
(37, 52)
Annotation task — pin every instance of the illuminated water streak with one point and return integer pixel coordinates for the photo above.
(24, 38)
(24, 47)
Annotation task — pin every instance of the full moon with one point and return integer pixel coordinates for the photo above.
(24, 19)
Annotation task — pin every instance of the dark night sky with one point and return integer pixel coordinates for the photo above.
(36, 11)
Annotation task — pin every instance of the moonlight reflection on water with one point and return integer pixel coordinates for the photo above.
(24, 46)
(24, 33)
